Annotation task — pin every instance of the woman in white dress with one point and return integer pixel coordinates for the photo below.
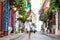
(27, 27)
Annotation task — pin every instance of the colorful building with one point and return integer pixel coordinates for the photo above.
(6, 17)
(1, 18)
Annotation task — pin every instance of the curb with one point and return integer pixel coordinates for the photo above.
(16, 37)
(12, 37)
(51, 35)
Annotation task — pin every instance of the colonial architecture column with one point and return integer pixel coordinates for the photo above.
(1, 18)
(56, 16)
(11, 19)
(6, 18)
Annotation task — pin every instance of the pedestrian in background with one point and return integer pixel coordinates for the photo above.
(9, 30)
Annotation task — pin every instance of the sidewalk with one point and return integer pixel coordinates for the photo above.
(12, 36)
(51, 35)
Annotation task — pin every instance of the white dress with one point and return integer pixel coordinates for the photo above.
(27, 26)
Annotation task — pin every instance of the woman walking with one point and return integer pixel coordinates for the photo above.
(27, 27)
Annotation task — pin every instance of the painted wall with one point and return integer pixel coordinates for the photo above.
(1, 19)
(6, 18)
(1, 15)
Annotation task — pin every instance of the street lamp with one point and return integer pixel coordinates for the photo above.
(14, 8)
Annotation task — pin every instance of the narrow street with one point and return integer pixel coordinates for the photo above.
(18, 16)
(36, 36)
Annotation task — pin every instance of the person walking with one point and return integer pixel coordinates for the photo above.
(28, 28)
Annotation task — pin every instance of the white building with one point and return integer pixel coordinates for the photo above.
(35, 7)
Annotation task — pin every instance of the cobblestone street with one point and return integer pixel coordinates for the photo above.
(36, 36)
